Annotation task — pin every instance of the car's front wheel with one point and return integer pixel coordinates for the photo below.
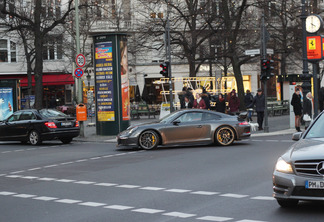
(224, 136)
(287, 203)
(34, 138)
(66, 140)
(148, 140)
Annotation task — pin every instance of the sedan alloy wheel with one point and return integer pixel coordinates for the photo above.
(34, 138)
(148, 140)
(225, 136)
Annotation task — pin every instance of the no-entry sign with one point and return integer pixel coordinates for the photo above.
(78, 72)
(80, 60)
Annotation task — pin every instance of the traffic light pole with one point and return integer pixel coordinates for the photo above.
(169, 57)
(263, 55)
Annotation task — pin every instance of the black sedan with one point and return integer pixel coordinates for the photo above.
(35, 126)
(187, 127)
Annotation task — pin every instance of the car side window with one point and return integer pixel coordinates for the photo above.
(190, 117)
(210, 116)
(27, 115)
(14, 117)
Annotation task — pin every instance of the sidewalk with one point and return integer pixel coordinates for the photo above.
(278, 125)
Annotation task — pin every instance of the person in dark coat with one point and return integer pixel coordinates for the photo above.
(248, 99)
(298, 109)
(233, 102)
(199, 103)
(206, 97)
(220, 103)
(308, 108)
(182, 94)
(187, 104)
(259, 103)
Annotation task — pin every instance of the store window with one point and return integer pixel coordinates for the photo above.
(7, 51)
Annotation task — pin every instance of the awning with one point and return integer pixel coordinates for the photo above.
(50, 80)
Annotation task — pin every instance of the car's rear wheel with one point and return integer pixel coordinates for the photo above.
(287, 203)
(148, 140)
(34, 138)
(224, 136)
(66, 140)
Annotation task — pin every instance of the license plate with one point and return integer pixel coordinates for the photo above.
(66, 124)
(314, 184)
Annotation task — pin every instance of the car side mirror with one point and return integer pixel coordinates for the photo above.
(297, 136)
(176, 122)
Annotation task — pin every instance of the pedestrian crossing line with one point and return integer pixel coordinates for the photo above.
(122, 207)
(147, 188)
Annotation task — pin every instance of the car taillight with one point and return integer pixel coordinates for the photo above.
(243, 123)
(50, 125)
(76, 123)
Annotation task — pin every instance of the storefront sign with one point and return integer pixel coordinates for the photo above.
(104, 81)
(314, 48)
(124, 81)
(6, 101)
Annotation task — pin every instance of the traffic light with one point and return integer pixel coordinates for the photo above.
(165, 69)
(270, 69)
(264, 67)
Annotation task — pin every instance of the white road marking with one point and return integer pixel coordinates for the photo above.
(212, 218)
(6, 152)
(95, 158)
(106, 184)
(271, 140)
(65, 180)
(178, 190)
(83, 160)
(1, 175)
(47, 179)
(54, 165)
(68, 201)
(179, 214)
(107, 156)
(148, 210)
(45, 198)
(118, 207)
(29, 177)
(84, 182)
(204, 193)
(245, 220)
(4, 193)
(262, 198)
(92, 204)
(21, 171)
(37, 168)
(128, 186)
(19, 150)
(66, 163)
(152, 188)
(24, 195)
(14, 176)
(233, 195)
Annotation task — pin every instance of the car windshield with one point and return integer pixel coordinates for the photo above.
(51, 113)
(317, 129)
(167, 118)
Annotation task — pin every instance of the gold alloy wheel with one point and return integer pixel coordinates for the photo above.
(148, 140)
(225, 136)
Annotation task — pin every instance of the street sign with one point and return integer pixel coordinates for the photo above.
(257, 52)
(80, 60)
(78, 72)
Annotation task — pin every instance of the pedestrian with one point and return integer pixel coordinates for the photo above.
(220, 103)
(181, 95)
(190, 95)
(248, 99)
(233, 102)
(187, 104)
(206, 97)
(199, 103)
(297, 105)
(259, 103)
(308, 109)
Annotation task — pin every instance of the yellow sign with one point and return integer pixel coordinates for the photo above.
(312, 44)
(106, 116)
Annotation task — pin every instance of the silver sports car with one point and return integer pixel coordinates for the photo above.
(299, 172)
(187, 127)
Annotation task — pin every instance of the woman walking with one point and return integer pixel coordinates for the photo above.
(298, 109)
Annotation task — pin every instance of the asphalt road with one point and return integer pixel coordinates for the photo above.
(95, 182)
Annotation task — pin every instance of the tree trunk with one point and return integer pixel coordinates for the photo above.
(239, 80)
(38, 41)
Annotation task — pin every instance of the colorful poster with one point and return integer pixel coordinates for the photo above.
(104, 81)
(6, 102)
(124, 81)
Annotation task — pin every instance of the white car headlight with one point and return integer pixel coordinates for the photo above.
(283, 166)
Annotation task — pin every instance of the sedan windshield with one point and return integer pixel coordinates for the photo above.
(317, 130)
(51, 113)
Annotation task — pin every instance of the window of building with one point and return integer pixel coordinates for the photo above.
(52, 48)
(7, 51)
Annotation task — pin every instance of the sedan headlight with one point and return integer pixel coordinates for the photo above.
(283, 166)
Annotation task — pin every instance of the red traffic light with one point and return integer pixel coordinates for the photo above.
(165, 69)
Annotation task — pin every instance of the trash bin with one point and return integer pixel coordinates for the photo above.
(81, 112)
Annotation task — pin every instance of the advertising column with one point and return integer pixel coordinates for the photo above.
(111, 83)
(8, 98)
